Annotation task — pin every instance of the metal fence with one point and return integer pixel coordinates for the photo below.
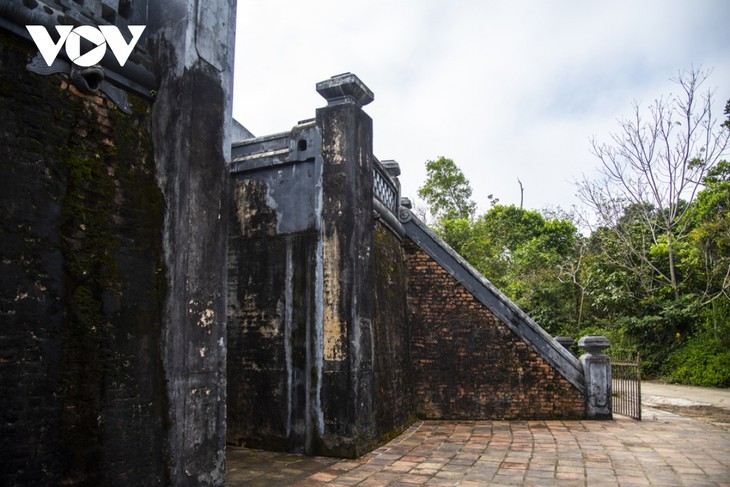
(626, 386)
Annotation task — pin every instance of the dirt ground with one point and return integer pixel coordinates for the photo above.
(707, 414)
(705, 404)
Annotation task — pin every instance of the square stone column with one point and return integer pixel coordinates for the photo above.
(347, 267)
(597, 369)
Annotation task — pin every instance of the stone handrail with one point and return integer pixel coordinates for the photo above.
(384, 188)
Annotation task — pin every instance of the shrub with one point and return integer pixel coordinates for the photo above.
(703, 361)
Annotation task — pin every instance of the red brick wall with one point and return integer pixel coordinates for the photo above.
(470, 365)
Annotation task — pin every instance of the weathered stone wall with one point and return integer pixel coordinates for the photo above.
(273, 256)
(393, 370)
(470, 365)
(81, 284)
(114, 235)
(272, 338)
(191, 43)
(271, 315)
(318, 337)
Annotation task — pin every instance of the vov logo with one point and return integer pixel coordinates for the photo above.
(101, 37)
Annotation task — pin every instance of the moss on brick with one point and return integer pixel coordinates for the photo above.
(82, 246)
(393, 382)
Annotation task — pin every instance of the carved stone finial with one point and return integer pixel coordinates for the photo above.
(405, 215)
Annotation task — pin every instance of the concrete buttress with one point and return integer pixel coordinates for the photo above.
(192, 44)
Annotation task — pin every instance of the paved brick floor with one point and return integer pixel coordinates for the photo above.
(664, 449)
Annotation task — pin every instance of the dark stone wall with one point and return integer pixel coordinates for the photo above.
(256, 368)
(81, 285)
(267, 342)
(467, 363)
(318, 342)
(272, 380)
(393, 370)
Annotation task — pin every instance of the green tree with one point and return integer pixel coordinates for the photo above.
(639, 311)
(711, 235)
(521, 252)
(447, 191)
(704, 358)
(497, 235)
(534, 277)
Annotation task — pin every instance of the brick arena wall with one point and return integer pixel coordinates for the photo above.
(470, 365)
(81, 284)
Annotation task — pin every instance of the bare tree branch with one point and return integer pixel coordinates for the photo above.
(653, 168)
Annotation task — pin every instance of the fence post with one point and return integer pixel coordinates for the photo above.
(597, 370)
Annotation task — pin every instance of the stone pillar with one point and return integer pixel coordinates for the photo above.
(347, 269)
(597, 370)
(192, 46)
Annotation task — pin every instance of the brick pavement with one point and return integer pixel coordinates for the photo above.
(664, 449)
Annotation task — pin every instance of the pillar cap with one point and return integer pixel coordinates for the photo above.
(345, 88)
(594, 343)
(392, 167)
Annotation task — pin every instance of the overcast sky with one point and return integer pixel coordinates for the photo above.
(507, 89)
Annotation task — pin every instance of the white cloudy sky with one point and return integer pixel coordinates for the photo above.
(507, 89)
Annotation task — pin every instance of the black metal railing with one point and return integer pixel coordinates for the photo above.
(626, 386)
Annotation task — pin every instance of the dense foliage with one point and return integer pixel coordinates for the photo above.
(653, 276)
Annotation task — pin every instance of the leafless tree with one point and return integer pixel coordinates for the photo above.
(654, 164)
(570, 271)
(421, 211)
